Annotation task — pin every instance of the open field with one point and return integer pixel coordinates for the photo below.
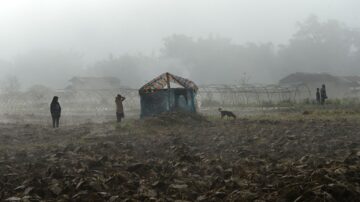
(297, 156)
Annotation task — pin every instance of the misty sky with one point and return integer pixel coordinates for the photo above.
(96, 28)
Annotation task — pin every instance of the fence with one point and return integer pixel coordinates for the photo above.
(250, 95)
(101, 103)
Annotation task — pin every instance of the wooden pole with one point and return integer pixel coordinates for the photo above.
(168, 85)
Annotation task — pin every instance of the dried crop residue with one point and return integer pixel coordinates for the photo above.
(243, 160)
(175, 118)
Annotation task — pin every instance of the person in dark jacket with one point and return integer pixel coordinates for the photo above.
(119, 107)
(318, 96)
(55, 110)
(323, 95)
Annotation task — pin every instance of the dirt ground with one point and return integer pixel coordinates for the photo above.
(307, 156)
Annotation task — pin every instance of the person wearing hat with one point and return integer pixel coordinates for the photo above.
(55, 110)
(119, 107)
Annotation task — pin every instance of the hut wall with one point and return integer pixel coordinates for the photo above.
(167, 100)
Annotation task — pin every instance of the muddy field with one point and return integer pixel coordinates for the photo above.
(308, 156)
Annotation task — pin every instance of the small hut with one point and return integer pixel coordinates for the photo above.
(159, 96)
(336, 86)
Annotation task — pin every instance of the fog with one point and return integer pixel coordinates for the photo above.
(49, 41)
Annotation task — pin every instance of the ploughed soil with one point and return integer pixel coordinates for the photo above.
(303, 157)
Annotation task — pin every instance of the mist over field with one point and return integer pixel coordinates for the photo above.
(180, 100)
(210, 42)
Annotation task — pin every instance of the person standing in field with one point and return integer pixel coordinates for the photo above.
(55, 110)
(323, 95)
(318, 96)
(119, 107)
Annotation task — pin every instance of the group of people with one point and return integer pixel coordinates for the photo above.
(55, 110)
(321, 95)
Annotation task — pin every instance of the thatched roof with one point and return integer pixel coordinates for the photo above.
(163, 80)
(300, 78)
(303, 78)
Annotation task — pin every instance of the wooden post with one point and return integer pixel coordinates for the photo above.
(168, 85)
(168, 80)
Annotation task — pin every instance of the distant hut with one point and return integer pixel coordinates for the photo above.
(159, 96)
(93, 83)
(336, 86)
(92, 92)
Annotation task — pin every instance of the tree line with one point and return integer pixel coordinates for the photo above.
(317, 46)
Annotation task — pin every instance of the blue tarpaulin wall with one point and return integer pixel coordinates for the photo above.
(167, 100)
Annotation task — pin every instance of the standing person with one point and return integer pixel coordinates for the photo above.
(119, 107)
(323, 95)
(318, 96)
(55, 110)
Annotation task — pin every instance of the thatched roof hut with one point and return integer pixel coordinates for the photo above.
(158, 96)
